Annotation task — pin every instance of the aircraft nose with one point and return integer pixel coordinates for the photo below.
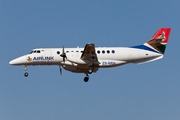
(18, 61)
(12, 62)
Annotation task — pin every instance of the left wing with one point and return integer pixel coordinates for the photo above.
(89, 54)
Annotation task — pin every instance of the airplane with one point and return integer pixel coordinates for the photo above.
(89, 59)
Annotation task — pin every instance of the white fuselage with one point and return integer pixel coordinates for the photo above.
(107, 57)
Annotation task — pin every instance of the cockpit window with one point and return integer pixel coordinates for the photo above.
(35, 51)
(31, 52)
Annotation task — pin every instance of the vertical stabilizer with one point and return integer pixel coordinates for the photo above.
(159, 41)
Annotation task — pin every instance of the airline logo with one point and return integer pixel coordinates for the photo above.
(162, 36)
(29, 59)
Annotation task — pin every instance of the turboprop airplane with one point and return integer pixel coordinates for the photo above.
(89, 59)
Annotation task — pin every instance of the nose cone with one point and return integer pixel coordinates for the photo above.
(18, 61)
(12, 62)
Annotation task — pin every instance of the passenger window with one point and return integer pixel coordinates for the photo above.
(58, 52)
(81, 51)
(108, 51)
(77, 51)
(113, 51)
(103, 51)
(67, 51)
(98, 52)
(38, 51)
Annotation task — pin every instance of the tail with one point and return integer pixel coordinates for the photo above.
(159, 41)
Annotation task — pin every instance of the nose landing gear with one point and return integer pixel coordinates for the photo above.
(26, 73)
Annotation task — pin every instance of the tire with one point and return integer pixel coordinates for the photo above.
(25, 74)
(86, 79)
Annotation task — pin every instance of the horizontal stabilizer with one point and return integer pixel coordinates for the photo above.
(155, 41)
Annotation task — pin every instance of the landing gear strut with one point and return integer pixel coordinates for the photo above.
(86, 78)
(26, 73)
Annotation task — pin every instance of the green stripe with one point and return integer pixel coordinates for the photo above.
(162, 48)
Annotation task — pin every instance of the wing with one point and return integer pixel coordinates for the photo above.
(89, 54)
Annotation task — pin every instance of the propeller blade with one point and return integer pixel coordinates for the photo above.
(63, 49)
(60, 70)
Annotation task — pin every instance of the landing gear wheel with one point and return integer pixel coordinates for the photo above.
(86, 79)
(25, 74)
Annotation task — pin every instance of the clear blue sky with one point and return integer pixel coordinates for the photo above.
(131, 92)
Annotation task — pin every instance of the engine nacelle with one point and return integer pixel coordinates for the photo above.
(73, 69)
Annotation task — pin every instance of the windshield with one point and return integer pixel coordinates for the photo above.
(31, 52)
(35, 51)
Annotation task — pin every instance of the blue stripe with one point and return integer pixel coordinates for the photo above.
(144, 48)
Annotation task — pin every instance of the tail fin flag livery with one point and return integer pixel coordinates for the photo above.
(159, 41)
(90, 59)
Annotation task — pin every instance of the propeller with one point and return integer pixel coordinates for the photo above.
(63, 54)
(60, 70)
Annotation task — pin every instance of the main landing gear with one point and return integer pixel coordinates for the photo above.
(90, 71)
(86, 78)
(26, 73)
